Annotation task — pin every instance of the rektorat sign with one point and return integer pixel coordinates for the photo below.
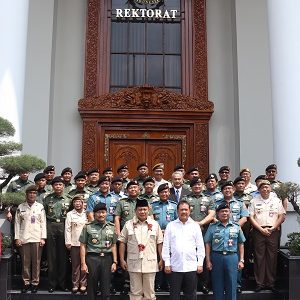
(152, 11)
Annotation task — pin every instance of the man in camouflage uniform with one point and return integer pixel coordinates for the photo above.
(143, 173)
(49, 172)
(149, 195)
(224, 173)
(80, 188)
(93, 178)
(56, 207)
(67, 175)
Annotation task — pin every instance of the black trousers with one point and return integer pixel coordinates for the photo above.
(185, 280)
(57, 255)
(99, 268)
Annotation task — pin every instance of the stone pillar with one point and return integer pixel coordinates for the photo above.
(284, 33)
(13, 35)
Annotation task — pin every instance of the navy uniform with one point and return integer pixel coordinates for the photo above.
(56, 208)
(222, 241)
(98, 253)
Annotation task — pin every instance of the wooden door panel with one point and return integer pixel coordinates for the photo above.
(167, 152)
(126, 151)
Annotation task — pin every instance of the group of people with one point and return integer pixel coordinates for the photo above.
(173, 235)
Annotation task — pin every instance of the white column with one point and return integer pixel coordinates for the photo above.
(284, 31)
(13, 36)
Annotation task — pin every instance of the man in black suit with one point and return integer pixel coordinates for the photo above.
(177, 192)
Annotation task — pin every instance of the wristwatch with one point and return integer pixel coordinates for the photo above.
(242, 261)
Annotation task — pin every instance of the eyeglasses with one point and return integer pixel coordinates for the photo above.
(224, 172)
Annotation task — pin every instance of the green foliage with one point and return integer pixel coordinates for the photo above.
(294, 243)
(288, 190)
(7, 148)
(9, 199)
(6, 241)
(6, 128)
(16, 164)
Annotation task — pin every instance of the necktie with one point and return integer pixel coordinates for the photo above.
(177, 195)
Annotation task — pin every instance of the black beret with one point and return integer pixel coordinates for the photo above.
(108, 169)
(65, 170)
(132, 182)
(223, 205)
(122, 167)
(178, 167)
(148, 179)
(141, 165)
(263, 182)
(80, 175)
(192, 169)
(102, 179)
(260, 177)
(162, 187)
(238, 179)
(31, 188)
(49, 168)
(158, 166)
(224, 168)
(227, 183)
(92, 170)
(211, 176)
(141, 203)
(195, 181)
(57, 179)
(271, 167)
(117, 179)
(39, 176)
(99, 206)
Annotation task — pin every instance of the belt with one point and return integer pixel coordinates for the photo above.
(266, 226)
(224, 252)
(56, 221)
(102, 254)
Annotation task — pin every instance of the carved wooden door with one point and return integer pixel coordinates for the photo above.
(132, 152)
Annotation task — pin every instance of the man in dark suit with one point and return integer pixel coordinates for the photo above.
(177, 192)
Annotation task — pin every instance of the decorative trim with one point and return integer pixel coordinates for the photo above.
(89, 144)
(181, 138)
(108, 137)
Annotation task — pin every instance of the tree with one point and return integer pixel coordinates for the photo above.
(10, 163)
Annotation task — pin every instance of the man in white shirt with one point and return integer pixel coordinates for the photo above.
(183, 253)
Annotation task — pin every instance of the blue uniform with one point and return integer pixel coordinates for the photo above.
(110, 201)
(237, 209)
(164, 212)
(224, 240)
(215, 195)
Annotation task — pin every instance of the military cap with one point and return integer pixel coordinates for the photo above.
(195, 181)
(57, 179)
(49, 168)
(223, 205)
(260, 177)
(102, 179)
(117, 179)
(39, 176)
(144, 164)
(148, 179)
(65, 170)
(238, 179)
(227, 183)
(244, 170)
(122, 167)
(99, 206)
(31, 188)
(192, 169)
(158, 166)
(178, 167)
(141, 203)
(80, 175)
(211, 176)
(130, 183)
(77, 197)
(92, 170)
(264, 182)
(162, 187)
(108, 169)
(271, 167)
(224, 168)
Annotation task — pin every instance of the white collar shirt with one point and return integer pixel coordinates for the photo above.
(183, 247)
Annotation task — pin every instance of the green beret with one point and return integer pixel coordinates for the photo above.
(130, 183)
(92, 170)
(194, 181)
(65, 170)
(141, 165)
(162, 187)
(39, 176)
(224, 168)
(148, 179)
(271, 167)
(80, 175)
(57, 179)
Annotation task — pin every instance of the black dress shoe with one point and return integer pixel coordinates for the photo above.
(205, 290)
(239, 290)
(34, 289)
(51, 290)
(25, 288)
(158, 288)
(274, 290)
(258, 289)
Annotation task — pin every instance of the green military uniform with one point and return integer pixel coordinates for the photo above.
(150, 198)
(243, 197)
(48, 187)
(91, 188)
(68, 187)
(85, 193)
(140, 181)
(56, 208)
(125, 209)
(18, 185)
(98, 238)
